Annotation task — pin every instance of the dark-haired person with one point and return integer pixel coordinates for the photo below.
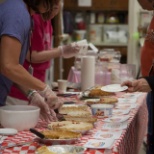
(15, 29)
(42, 53)
(146, 84)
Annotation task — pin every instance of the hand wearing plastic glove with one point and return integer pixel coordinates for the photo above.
(50, 97)
(54, 115)
(68, 51)
(45, 112)
(58, 105)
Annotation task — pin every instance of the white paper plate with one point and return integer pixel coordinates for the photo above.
(99, 144)
(132, 95)
(114, 126)
(127, 100)
(116, 119)
(107, 134)
(123, 106)
(8, 131)
(120, 111)
(114, 88)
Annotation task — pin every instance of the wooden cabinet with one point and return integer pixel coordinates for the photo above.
(111, 4)
(98, 5)
(70, 4)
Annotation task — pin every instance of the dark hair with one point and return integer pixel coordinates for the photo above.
(47, 15)
(48, 4)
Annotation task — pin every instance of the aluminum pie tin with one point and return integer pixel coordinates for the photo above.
(67, 149)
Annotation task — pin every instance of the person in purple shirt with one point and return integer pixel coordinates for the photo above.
(15, 28)
(41, 53)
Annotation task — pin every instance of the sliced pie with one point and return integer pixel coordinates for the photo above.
(108, 100)
(60, 134)
(71, 126)
(88, 119)
(97, 92)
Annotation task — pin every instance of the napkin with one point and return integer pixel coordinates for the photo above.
(83, 47)
(87, 72)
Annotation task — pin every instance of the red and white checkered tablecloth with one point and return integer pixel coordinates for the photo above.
(129, 142)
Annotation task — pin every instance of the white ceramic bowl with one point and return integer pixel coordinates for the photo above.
(20, 117)
(102, 110)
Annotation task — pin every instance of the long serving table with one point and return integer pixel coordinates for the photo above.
(128, 143)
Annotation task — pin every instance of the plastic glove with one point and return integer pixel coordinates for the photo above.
(50, 97)
(45, 113)
(68, 51)
(54, 115)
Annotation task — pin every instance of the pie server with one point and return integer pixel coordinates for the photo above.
(37, 133)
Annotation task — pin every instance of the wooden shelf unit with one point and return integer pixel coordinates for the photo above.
(97, 6)
(104, 5)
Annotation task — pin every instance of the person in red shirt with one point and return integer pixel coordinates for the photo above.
(147, 52)
(146, 83)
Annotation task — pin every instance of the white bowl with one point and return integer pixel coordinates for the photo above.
(20, 117)
(102, 110)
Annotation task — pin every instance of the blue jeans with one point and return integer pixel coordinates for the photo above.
(150, 137)
(150, 113)
(150, 145)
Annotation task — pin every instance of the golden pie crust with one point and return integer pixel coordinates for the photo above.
(75, 110)
(97, 92)
(44, 150)
(87, 119)
(108, 100)
(60, 134)
(71, 126)
(104, 100)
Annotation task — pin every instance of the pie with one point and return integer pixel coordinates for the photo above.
(60, 134)
(79, 113)
(104, 100)
(88, 119)
(108, 100)
(71, 126)
(75, 110)
(74, 107)
(44, 150)
(92, 102)
(97, 92)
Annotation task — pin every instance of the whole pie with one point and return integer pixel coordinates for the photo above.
(44, 150)
(75, 110)
(71, 126)
(88, 119)
(60, 134)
